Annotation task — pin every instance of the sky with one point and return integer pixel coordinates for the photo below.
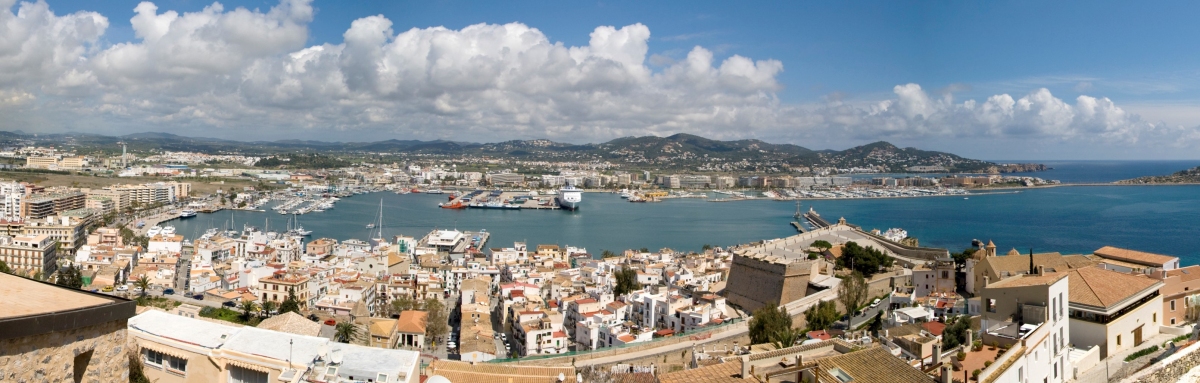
(989, 80)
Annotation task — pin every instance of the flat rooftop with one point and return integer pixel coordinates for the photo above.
(23, 297)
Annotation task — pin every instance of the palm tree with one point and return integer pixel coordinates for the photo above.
(346, 332)
(248, 308)
(142, 283)
(786, 337)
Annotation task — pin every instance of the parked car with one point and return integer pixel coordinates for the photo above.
(108, 289)
(122, 288)
(229, 304)
(198, 297)
(168, 291)
(330, 322)
(875, 303)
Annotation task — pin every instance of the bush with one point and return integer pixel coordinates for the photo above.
(961, 356)
(1181, 337)
(1141, 353)
(975, 374)
(977, 345)
(987, 364)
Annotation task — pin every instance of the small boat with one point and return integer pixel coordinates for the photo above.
(187, 213)
(370, 226)
(966, 197)
(434, 191)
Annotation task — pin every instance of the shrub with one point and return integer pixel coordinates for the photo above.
(977, 345)
(961, 355)
(975, 374)
(1141, 353)
(987, 364)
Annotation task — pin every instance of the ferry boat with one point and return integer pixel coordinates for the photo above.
(570, 197)
(187, 213)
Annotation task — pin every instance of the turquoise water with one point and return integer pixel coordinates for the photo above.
(1075, 219)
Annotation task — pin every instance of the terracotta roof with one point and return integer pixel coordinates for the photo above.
(1028, 280)
(1185, 274)
(1053, 262)
(874, 364)
(1094, 286)
(1149, 259)
(457, 371)
(291, 323)
(411, 322)
(382, 327)
(729, 371)
(934, 328)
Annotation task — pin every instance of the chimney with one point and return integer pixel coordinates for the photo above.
(937, 354)
(745, 366)
(985, 281)
(945, 375)
(969, 341)
(1041, 269)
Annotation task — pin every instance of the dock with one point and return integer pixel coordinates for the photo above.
(522, 199)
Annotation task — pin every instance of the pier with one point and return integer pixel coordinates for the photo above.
(478, 199)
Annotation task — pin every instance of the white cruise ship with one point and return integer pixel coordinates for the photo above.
(570, 197)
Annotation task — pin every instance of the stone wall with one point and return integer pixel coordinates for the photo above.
(755, 282)
(96, 352)
(1171, 369)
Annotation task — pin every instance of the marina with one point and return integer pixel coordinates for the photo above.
(1068, 219)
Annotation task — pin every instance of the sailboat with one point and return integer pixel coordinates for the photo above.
(298, 229)
(379, 235)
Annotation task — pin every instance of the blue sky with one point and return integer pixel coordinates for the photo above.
(841, 65)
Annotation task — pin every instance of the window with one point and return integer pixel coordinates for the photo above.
(1172, 320)
(153, 358)
(1154, 318)
(175, 364)
(1172, 305)
(1118, 340)
(242, 375)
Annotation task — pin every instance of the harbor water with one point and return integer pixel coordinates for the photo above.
(1072, 219)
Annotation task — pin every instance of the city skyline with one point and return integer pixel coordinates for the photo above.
(995, 81)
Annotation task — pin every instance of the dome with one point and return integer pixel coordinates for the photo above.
(1014, 252)
(437, 379)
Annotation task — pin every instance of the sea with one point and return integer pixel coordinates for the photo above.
(1067, 219)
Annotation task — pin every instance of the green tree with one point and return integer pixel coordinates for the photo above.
(626, 281)
(768, 321)
(268, 307)
(787, 337)
(403, 303)
(346, 332)
(960, 258)
(866, 260)
(248, 308)
(706, 247)
(4, 268)
(142, 283)
(876, 324)
(852, 292)
(822, 245)
(437, 321)
(69, 277)
(956, 332)
(821, 315)
(291, 303)
(607, 254)
(645, 250)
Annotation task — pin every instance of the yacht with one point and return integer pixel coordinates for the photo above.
(187, 213)
(168, 230)
(570, 197)
(156, 230)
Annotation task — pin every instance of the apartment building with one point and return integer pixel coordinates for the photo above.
(29, 254)
(1029, 313)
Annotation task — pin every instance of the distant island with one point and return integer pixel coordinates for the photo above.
(1189, 176)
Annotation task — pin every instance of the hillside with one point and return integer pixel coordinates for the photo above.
(684, 152)
(1188, 176)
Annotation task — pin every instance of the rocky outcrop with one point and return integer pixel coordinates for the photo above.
(1017, 168)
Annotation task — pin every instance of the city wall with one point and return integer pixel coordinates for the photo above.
(96, 352)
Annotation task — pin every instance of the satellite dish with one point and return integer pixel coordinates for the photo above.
(579, 378)
(561, 377)
(336, 356)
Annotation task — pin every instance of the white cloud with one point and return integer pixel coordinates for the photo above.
(248, 74)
